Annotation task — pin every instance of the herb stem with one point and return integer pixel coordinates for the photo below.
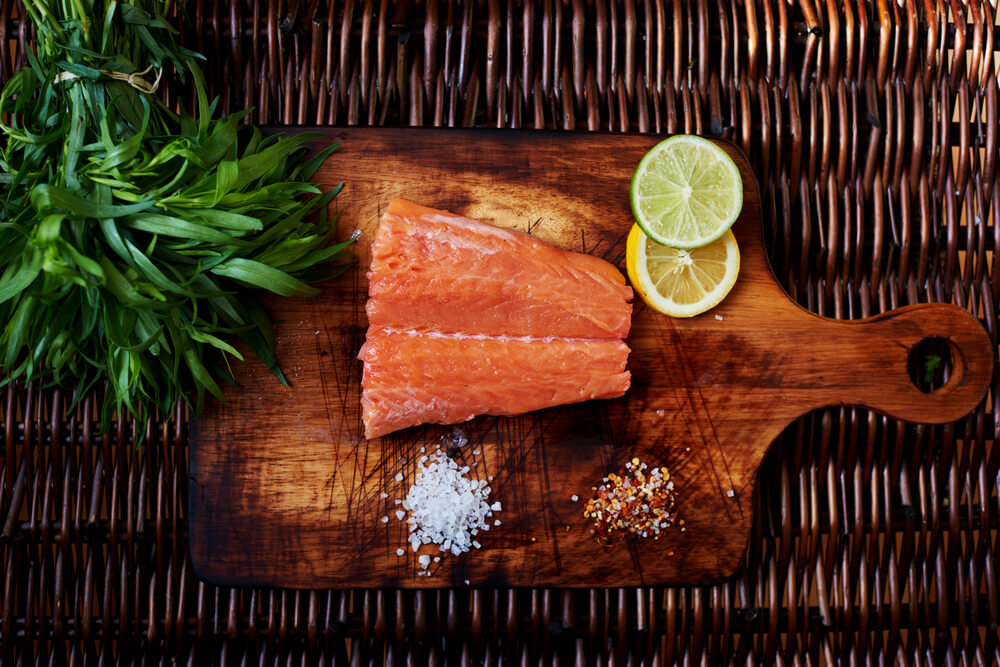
(50, 21)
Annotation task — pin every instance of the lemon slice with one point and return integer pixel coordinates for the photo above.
(686, 192)
(679, 282)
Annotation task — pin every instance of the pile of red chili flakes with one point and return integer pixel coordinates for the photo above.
(637, 499)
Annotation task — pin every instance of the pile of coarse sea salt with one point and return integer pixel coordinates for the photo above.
(446, 508)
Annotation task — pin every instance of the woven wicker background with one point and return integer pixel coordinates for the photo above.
(873, 129)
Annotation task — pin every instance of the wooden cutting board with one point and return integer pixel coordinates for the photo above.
(285, 491)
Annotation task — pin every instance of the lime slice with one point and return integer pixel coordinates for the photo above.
(686, 192)
(680, 282)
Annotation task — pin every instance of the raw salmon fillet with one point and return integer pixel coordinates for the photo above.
(474, 277)
(467, 319)
(418, 378)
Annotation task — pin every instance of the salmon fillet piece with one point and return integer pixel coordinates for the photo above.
(467, 319)
(474, 277)
(413, 378)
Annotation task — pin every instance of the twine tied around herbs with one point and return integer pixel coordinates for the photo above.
(135, 79)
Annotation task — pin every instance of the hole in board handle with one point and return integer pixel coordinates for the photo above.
(935, 365)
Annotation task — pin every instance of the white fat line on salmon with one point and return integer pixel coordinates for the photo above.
(452, 243)
(476, 227)
(501, 338)
(481, 230)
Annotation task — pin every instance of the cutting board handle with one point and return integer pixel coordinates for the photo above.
(869, 362)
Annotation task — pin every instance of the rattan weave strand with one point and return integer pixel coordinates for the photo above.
(873, 129)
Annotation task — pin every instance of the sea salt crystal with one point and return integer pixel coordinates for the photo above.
(731, 493)
(385, 519)
(718, 317)
(497, 522)
(400, 552)
(447, 508)
(399, 477)
(400, 514)
(574, 497)
(425, 561)
(384, 495)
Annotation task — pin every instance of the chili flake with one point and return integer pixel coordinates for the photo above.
(637, 499)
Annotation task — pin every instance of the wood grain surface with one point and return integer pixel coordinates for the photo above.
(285, 491)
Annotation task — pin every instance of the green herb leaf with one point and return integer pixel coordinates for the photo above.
(256, 274)
(134, 238)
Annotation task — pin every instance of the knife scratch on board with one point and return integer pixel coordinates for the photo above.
(551, 518)
(583, 243)
(616, 251)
